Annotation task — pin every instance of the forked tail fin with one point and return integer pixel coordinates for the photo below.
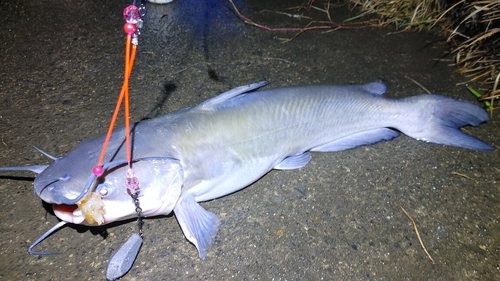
(438, 119)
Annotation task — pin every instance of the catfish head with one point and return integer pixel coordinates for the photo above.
(108, 199)
(78, 196)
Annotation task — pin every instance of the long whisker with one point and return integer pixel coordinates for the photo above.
(45, 235)
(35, 168)
(45, 153)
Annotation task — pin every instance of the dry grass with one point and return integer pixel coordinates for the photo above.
(407, 14)
(326, 25)
(476, 41)
(471, 27)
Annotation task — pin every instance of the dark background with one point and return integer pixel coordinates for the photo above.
(338, 218)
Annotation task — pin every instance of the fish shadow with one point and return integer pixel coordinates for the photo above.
(17, 178)
(168, 89)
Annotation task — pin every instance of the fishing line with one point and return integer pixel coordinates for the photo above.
(123, 259)
(133, 17)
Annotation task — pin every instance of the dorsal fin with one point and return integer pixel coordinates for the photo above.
(213, 102)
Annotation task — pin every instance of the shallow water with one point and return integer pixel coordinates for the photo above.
(338, 218)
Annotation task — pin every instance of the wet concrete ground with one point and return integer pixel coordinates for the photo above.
(338, 218)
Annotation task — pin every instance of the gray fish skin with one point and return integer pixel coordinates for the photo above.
(228, 142)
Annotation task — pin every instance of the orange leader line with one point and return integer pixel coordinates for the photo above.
(129, 62)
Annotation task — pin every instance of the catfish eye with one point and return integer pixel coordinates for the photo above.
(104, 189)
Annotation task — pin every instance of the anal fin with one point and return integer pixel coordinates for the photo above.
(199, 225)
(359, 139)
(294, 162)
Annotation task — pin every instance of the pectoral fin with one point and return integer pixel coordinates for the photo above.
(199, 225)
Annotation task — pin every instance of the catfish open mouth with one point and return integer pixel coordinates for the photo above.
(68, 213)
(89, 211)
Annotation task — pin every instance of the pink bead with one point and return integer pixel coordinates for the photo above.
(98, 171)
(130, 28)
(131, 14)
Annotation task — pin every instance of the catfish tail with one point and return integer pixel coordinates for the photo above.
(438, 119)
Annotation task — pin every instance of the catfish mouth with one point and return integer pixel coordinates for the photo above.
(69, 213)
